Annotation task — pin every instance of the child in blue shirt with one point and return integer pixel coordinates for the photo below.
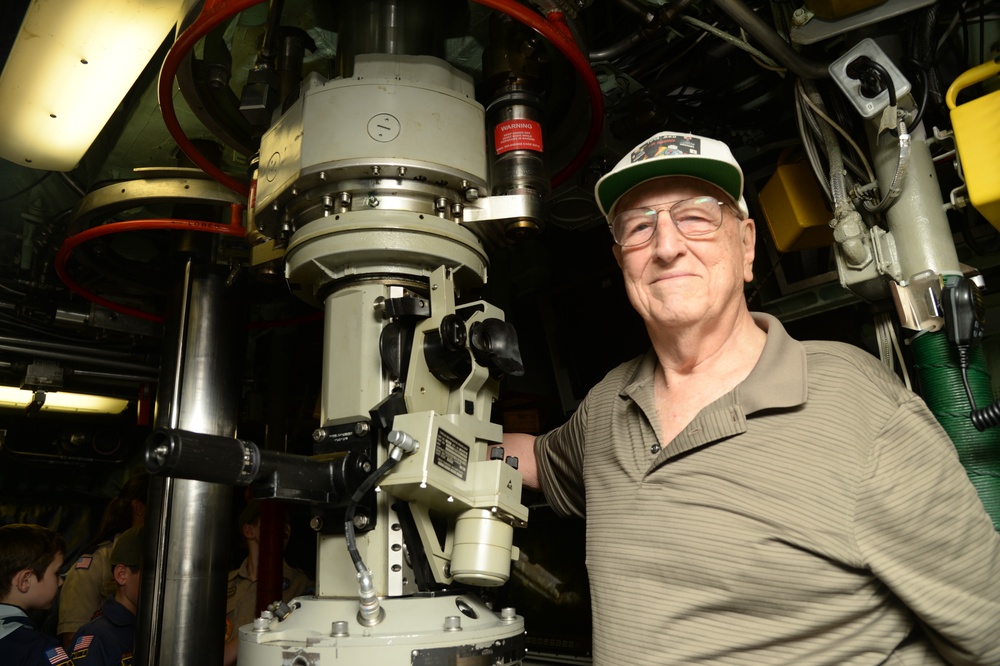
(30, 558)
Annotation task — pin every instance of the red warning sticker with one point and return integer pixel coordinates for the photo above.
(517, 135)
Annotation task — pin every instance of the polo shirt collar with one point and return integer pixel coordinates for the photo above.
(777, 381)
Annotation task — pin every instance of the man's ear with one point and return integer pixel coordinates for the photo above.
(616, 250)
(748, 237)
(120, 574)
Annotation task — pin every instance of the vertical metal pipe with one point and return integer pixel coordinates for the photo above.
(183, 602)
(392, 26)
(917, 220)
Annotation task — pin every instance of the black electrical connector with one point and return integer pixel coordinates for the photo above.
(874, 78)
(965, 317)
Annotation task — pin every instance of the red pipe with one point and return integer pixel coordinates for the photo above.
(62, 257)
(212, 14)
(557, 32)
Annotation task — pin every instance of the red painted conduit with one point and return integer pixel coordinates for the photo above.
(62, 257)
(553, 27)
(212, 14)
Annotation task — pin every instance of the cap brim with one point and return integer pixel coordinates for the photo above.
(613, 186)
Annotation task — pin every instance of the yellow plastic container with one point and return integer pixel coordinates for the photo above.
(977, 138)
(795, 208)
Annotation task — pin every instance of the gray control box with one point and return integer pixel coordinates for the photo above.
(868, 107)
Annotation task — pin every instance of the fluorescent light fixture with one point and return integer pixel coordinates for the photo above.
(11, 396)
(70, 67)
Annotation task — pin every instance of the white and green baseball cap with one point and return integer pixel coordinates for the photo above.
(673, 154)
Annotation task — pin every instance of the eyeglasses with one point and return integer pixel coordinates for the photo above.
(692, 217)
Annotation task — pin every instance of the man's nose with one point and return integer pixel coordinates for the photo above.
(667, 241)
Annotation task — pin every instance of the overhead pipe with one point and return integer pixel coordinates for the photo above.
(652, 24)
(79, 357)
(771, 41)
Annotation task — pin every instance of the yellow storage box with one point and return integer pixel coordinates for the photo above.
(795, 208)
(977, 138)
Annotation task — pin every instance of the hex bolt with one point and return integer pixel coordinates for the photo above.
(361, 428)
(401, 171)
(376, 170)
(316, 523)
(360, 522)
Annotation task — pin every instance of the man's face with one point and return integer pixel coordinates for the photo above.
(43, 592)
(674, 281)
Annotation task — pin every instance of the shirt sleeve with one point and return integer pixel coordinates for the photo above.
(559, 458)
(94, 654)
(81, 594)
(923, 531)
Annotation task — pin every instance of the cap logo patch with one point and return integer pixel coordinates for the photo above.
(671, 144)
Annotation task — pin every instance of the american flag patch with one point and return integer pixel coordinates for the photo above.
(83, 642)
(84, 562)
(56, 656)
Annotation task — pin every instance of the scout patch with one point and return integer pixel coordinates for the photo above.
(84, 562)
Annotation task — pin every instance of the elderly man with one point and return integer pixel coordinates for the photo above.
(752, 499)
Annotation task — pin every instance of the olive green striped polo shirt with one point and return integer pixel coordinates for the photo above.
(816, 514)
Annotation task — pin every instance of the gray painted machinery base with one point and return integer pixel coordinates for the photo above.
(424, 631)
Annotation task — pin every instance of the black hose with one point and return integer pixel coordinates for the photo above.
(886, 79)
(924, 79)
(772, 42)
(363, 489)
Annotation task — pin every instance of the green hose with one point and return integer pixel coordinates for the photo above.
(936, 362)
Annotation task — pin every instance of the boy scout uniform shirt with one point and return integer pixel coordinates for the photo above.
(88, 583)
(241, 595)
(816, 514)
(21, 644)
(108, 640)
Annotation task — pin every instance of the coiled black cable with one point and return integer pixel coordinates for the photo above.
(987, 417)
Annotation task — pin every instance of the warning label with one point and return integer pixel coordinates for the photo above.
(517, 135)
(451, 455)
